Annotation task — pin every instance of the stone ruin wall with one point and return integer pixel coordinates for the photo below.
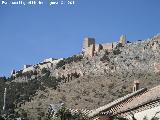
(89, 51)
(47, 63)
(88, 41)
(90, 48)
(107, 46)
(98, 47)
(82, 68)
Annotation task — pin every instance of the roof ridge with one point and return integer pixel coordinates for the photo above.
(115, 102)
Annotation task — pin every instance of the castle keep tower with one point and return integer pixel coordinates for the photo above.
(88, 42)
(88, 47)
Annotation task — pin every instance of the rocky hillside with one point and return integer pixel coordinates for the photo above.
(102, 78)
(137, 57)
(87, 83)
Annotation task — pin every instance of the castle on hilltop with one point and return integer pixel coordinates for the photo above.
(90, 48)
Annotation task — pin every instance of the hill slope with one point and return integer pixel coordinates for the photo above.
(87, 83)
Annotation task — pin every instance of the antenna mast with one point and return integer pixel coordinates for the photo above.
(4, 105)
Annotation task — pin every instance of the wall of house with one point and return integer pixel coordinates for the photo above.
(150, 113)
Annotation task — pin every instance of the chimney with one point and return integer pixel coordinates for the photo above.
(136, 85)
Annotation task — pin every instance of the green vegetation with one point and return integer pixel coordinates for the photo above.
(105, 57)
(50, 82)
(20, 92)
(46, 72)
(27, 74)
(19, 74)
(119, 45)
(65, 114)
(119, 118)
(2, 86)
(68, 60)
(116, 51)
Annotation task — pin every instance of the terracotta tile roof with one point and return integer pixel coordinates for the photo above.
(146, 97)
(128, 102)
(115, 103)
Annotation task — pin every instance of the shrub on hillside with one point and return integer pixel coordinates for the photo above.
(74, 58)
(116, 52)
(119, 45)
(105, 58)
(60, 63)
(19, 74)
(65, 114)
(46, 72)
(28, 74)
(50, 82)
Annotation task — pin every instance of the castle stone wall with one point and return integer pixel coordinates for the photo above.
(88, 42)
(89, 51)
(98, 47)
(31, 68)
(107, 46)
(90, 48)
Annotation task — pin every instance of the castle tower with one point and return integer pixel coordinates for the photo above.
(88, 46)
(122, 40)
(136, 85)
(88, 41)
